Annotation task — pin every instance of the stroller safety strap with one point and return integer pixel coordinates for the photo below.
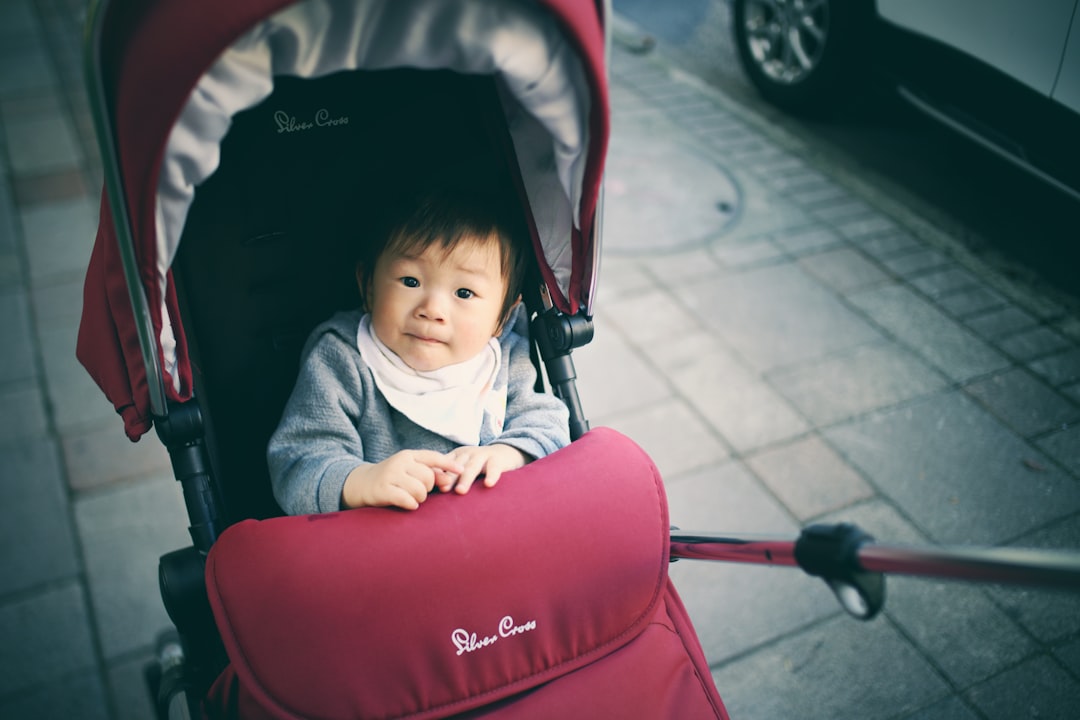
(529, 592)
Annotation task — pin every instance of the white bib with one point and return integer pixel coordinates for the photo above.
(449, 401)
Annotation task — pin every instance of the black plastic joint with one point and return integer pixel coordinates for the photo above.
(558, 333)
(183, 424)
(830, 551)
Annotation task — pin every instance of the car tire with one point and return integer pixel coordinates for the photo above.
(804, 56)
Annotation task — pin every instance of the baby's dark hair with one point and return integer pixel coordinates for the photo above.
(447, 215)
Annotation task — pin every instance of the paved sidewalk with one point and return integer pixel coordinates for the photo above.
(789, 347)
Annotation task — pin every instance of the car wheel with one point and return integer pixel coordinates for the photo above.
(801, 55)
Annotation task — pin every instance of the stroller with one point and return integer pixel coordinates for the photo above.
(274, 132)
(244, 143)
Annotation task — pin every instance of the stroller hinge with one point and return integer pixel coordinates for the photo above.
(831, 552)
(556, 335)
(182, 434)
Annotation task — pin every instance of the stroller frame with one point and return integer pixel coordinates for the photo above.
(844, 556)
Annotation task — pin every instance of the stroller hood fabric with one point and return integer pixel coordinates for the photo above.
(550, 589)
(176, 72)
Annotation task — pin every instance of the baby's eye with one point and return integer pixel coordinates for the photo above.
(410, 282)
(464, 293)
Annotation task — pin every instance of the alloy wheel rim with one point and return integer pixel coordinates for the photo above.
(786, 38)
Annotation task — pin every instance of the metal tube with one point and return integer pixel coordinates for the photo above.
(114, 190)
(1055, 569)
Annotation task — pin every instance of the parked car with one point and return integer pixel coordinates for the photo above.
(1005, 73)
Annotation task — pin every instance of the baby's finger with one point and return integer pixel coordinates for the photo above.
(439, 461)
(402, 498)
(473, 467)
(444, 480)
(492, 474)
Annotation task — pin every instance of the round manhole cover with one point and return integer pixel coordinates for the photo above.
(660, 196)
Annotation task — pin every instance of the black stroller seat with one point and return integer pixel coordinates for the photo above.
(270, 244)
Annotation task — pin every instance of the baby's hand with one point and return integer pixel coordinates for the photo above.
(403, 480)
(491, 461)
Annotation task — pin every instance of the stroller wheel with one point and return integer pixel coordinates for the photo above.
(165, 678)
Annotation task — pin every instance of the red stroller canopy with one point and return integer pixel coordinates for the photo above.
(167, 75)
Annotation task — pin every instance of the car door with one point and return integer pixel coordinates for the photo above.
(1067, 88)
(1024, 39)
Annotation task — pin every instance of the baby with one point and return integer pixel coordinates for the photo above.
(429, 385)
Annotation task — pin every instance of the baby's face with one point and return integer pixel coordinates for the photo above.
(440, 307)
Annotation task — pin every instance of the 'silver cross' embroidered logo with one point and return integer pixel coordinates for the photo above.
(467, 642)
(287, 123)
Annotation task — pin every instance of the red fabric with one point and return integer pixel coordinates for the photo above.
(152, 54)
(371, 613)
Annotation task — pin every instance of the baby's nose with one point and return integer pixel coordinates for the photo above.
(432, 308)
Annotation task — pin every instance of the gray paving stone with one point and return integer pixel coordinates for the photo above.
(1048, 615)
(73, 696)
(1026, 403)
(890, 241)
(124, 532)
(945, 281)
(24, 411)
(103, 455)
(804, 321)
(958, 626)
(58, 303)
(59, 237)
(844, 269)
(803, 241)
(621, 277)
(1068, 655)
(650, 316)
(24, 68)
(861, 226)
(673, 436)
(838, 670)
(952, 708)
(16, 19)
(75, 400)
(915, 262)
(971, 301)
(37, 544)
(46, 637)
(741, 407)
(726, 499)
(10, 261)
(651, 174)
(809, 478)
(1072, 391)
(130, 695)
(613, 378)
(673, 269)
(1001, 322)
(849, 208)
(950, 347)
(963, 476)
(16, 355)
(816, 194)
(1038, 688)
(856, 381)
(746, 252)
(1033, 343)
(1064, 446)
(804, 177)
(763, 212)
(881, 520)
(1060, 369)
(41, 143)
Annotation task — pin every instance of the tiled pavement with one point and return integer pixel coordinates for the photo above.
(789, 347)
